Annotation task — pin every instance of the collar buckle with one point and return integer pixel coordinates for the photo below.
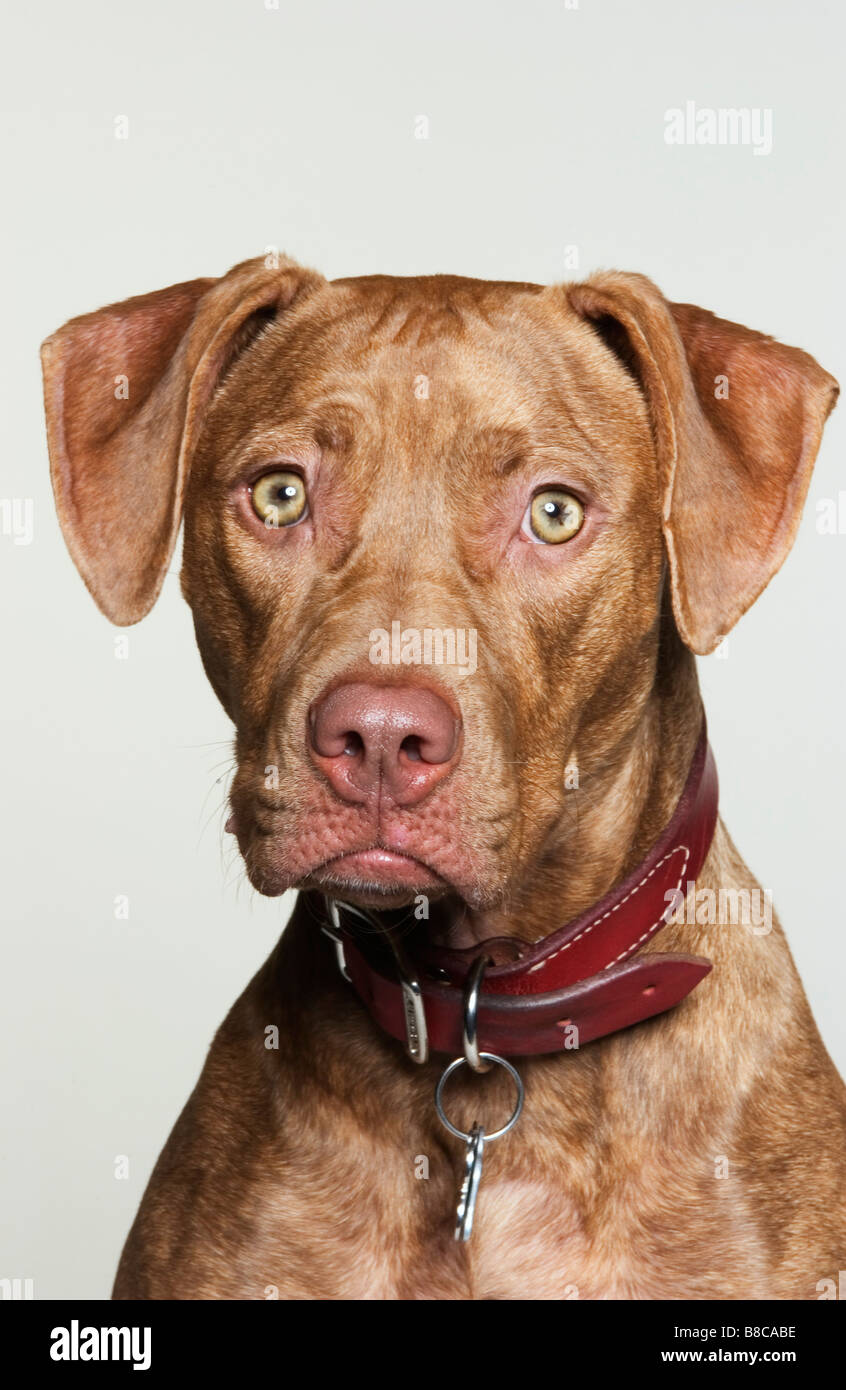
(414, 1013)
(333, 931)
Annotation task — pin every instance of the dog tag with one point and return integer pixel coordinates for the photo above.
(475, 1140)
(470, 1184)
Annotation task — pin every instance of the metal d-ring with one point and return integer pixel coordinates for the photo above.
(470, 1033)
(462, 1062)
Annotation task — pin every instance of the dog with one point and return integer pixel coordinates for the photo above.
(596, 484)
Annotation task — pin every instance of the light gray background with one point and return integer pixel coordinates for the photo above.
(252, 127)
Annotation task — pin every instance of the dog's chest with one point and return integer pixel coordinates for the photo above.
(532, 1240)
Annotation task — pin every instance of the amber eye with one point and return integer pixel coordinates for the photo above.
(279, 499)
(554, 516)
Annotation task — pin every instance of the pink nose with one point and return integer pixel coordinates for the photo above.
(365, 738)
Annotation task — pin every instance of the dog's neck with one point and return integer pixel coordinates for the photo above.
(618, 812)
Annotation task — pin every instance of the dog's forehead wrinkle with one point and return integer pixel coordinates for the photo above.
(482, 401)
(385, 312)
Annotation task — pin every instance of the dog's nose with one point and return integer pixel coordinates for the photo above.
(368, 737)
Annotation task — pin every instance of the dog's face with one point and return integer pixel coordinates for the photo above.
(431, 455)
(428, 525)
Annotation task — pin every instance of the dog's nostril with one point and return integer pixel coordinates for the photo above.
(354, 744)
(411, 748)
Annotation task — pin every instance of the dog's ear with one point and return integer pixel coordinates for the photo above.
(125, 389)
(737, 420)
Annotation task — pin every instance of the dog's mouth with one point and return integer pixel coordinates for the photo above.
(377, 877)
(395, 861)
(401, 888)
(400, 894)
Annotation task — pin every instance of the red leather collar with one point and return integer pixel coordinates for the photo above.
(584, 976)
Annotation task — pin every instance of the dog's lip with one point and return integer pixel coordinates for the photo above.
(384, 868)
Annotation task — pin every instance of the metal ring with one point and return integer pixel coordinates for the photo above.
(461, 1062)
(470, 1034)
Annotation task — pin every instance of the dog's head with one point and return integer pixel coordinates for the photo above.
(429, 527)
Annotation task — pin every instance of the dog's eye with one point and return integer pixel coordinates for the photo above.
(553, 516)
(279, 499)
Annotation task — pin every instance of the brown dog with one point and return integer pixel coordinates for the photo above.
(596, 484)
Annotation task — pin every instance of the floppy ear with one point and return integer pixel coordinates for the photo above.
(737, 420)
(125, 389)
